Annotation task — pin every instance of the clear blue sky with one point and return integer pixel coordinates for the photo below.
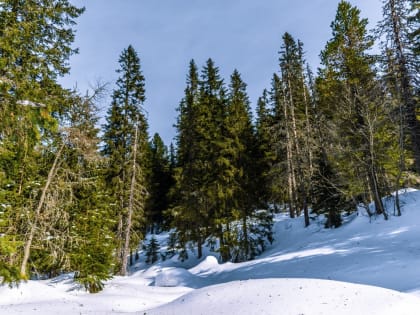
(167, 34)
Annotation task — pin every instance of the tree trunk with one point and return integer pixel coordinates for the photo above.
(245, 242)
(199, 245)
(290, 165)
(127, 234)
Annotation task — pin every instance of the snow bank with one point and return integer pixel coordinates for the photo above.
(177, 277)
(207, 266)
(291, 297)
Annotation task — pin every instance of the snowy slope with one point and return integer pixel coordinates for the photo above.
(294, 276)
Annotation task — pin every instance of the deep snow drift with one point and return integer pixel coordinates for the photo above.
(360, 257)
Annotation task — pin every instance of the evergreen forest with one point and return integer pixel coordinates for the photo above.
(78, 196)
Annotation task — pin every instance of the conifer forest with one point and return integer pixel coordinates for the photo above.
(80, 196)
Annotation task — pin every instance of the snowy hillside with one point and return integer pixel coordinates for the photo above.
(364, 267)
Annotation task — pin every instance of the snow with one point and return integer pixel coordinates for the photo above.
(291, 297)
(367, 266)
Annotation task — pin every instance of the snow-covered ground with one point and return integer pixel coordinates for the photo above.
(364, 267)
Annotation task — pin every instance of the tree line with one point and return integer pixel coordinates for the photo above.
(78, 197)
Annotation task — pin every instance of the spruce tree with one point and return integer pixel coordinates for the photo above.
(152, 251)
(245, 240)
(190, 214)
(125, 146)
(220, 171)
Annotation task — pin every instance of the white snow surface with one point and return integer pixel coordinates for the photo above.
(367, 266)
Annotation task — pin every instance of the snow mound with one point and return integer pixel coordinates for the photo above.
(207, 266)
(291, 297)
(177, 277)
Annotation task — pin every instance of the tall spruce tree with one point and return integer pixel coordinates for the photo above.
(249, 228)
(281, 175)
(219, 185)
(125, 145)
(190, 214)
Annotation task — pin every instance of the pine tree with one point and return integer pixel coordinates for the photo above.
(152, 251)
(126, 145)
(245, 240)
(220, 172)
(190, 214)
(281, 176)
(328, 197)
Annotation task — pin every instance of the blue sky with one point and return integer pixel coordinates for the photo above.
(167, 34)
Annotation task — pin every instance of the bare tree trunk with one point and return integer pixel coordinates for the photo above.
(373, 172)
(199, 245)
(34, 225)
(246, 241)
(307, 178)
(290, 167)
(401, 162)
(127, 234)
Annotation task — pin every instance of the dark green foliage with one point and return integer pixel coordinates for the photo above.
(191, 211)
(9, 273)
(152, 251)
(161, 181)
(264, 157)
(328, 199)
